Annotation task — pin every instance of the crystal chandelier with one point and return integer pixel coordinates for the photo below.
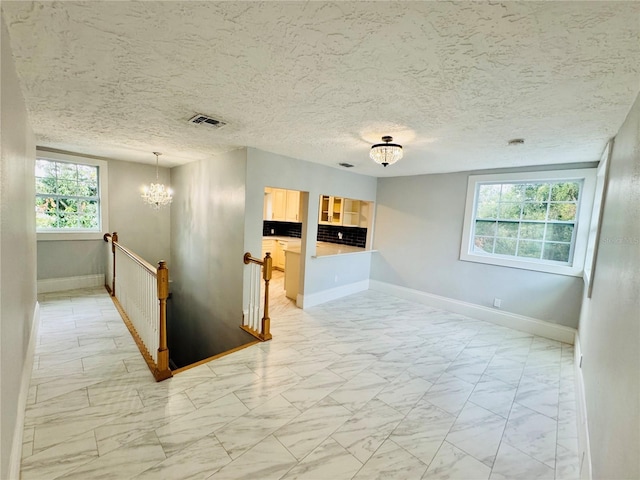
(386, 153)
(156, 194)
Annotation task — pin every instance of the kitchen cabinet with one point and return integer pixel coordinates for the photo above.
(281, 205)
(276, 248)
(279, 199)
(331, 209)
(292, 208)
(292, 274)
(279, 258)
(351, 212)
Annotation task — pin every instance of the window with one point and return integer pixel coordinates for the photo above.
(69, 197)
(536, 221)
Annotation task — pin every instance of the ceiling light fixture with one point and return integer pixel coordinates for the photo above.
(156, 194)
(386, 153)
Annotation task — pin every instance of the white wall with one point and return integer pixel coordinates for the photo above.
(610, 322)
(418, 232)
(17, 253)
(269, 169)
(140, 227)
(207, 232)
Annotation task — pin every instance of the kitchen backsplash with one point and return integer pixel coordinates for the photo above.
(354, 236)
(281, 229)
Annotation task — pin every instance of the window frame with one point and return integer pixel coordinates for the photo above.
(582, 223)
(103, 196)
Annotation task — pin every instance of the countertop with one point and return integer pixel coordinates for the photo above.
(323, 249)
(293, 240)
(326, 248)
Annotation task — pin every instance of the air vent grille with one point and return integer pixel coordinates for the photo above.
(201, 119)
(345, 165)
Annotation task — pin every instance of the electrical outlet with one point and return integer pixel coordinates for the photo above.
(340, 235)
(273, 231)
(497, 302)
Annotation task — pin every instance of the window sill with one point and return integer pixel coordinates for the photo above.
(56, 236)
(568, 270)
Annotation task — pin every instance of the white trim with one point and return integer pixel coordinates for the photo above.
(522, 323)
(16, 447)
(585, 205)
(49, 285)
(581, 410)
(313, 299)
(48, 237)
(103, 178)
(602, 180)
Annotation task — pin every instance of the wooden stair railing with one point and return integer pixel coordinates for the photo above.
(251, 323)
(140, 293)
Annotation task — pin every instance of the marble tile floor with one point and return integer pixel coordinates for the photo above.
(365, 387)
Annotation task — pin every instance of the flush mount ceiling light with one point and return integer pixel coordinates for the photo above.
(386, 153)
(156, 194)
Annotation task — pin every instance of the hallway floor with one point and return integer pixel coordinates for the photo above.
(368, 386)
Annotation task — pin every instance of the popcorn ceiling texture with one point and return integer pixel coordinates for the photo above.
(322, 81)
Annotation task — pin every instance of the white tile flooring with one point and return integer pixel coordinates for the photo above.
(366, 387)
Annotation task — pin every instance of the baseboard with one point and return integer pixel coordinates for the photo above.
(499, 317)
(313, 299)
(49, 285)
(27, 367)
(581, 404)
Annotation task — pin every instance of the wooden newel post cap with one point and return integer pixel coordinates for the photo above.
(163, 280)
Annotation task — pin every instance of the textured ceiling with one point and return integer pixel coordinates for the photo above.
(319, 81)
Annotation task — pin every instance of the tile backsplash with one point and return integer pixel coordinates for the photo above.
(354, 236)
(281, 229)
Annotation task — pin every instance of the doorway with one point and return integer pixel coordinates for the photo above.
(283, 229)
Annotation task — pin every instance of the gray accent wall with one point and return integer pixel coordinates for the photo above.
(207, 236)
(610, 321)
(17, 250)
(140, 227)
(418, 233)
(265, 169)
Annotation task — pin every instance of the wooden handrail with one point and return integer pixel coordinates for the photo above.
(140, 261)
(267, 267)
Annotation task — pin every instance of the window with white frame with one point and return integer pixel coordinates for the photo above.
(535, 221)
(69, 197)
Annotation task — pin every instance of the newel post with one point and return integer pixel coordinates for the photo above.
(266, 275)
(163, 372)
(114, 240)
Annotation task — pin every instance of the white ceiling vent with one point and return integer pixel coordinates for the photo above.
(201, 119)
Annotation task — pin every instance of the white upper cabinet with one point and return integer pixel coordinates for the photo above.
(346, 212)
(279, 197)
(330, 210)
(351, 212)
(281, 205)
(292, 210)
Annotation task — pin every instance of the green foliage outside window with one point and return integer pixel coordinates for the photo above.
(67, 196)
(528, 219)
